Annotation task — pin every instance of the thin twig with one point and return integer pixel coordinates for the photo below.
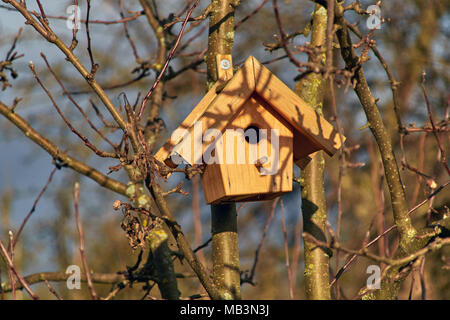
(204, 245)
(286, 252)
(411, 288)
(116, 290)
(197, 215)
(81, 136)
(436, 135)
(60, 158)
(374, 240)
(105, 22)
(94, 66)
(41, 9)
(75, 103)
(421, 160)
(422, 279)
(166, 64)
(33, 208)
(435, 245)
(249, 278)
(127, 34)
(51, 37)
(75, 29)
(283, 35)
(76, 194)
(251, 14)
(393, 83)
(9, 55)
(10, 264)
(342, 160)
(197, 19)
(2, 296)
(297, 248)
(10, 273)
(52, 290)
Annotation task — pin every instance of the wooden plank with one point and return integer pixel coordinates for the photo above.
(302, 162)
(304, 146)
(227, 104)
(224, 67)
(165, 151)
(249, 197)
(212, 183)
(296, 111)
(222, 109)
(214, 111)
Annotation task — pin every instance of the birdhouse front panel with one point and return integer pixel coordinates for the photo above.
(255, 156)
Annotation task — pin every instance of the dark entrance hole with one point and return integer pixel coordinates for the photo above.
(251, 131)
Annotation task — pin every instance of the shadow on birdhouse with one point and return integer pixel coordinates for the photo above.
(248, 131)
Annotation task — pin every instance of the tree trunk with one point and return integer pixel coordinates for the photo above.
(226, 268)
(407, 233)
(159, 255)
(317, 260)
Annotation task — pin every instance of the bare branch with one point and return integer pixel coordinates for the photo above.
(52, 290)
(436, 135)
(286, 252)
(61, 158)
(166, 64)
(10, 264)
(33, 208)
(67, 122)
(76, 194)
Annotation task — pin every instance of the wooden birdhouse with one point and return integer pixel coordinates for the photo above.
(249, 130)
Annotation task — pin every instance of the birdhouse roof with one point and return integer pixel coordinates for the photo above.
(224, 101)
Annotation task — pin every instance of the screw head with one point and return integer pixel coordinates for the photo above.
(225, 64)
